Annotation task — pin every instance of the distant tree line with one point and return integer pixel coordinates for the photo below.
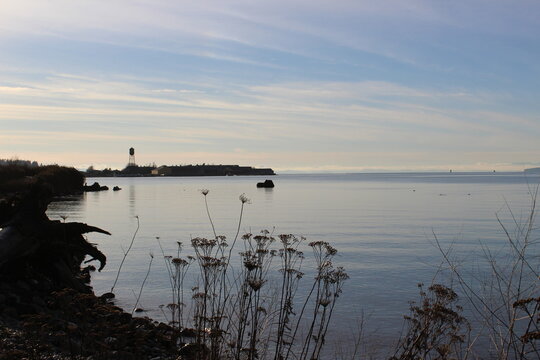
(19, 175)
(19, 162)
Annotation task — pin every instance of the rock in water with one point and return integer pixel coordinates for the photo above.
(266, 184)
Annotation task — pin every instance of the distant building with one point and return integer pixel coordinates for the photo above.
(162, 171)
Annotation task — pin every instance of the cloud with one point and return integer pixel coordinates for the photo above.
(58, 137)
(387, 28)
(354, 122)
(365, 111)
(14, 89)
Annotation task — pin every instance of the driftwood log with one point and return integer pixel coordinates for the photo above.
(31, 242)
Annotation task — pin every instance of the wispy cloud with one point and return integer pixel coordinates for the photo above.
(333, 105)
(366, 26)
(46, 137)
(365, 116)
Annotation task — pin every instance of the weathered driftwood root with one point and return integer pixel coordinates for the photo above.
(30, 240)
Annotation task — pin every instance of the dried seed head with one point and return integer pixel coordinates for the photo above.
(244, 199)
(179, 262)
(256, 284)
(250, 265)
(199, 295)
(324, 302)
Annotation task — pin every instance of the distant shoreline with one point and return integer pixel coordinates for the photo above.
(182, 171)
(364, 173)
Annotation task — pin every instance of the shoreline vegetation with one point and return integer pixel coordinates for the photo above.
(49, 311)
(18, 178)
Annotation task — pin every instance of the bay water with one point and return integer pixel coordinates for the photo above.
(383, 226)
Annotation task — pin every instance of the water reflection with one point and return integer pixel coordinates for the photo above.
(72, 207)
(381, 227)
(268, 194)
(132, 200)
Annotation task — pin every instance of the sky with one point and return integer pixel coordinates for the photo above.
(301, 86)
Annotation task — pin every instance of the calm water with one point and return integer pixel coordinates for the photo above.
(382, 225)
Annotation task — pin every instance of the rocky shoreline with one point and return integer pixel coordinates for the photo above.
(38, 322)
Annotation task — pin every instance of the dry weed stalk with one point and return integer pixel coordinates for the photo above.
(256, 260)
(507, 303)
(143, 283)
(126, 252)
(232, 314)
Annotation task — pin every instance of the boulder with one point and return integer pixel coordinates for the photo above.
(94, 187)
(266, 184)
